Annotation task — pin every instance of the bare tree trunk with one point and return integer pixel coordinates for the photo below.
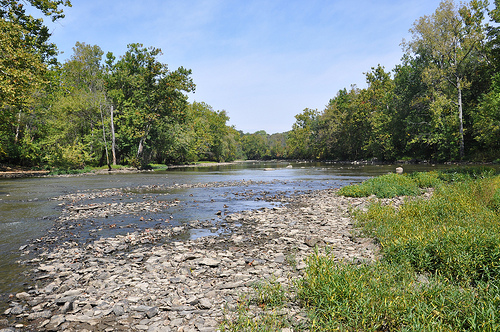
(113, 152)
(141, 142)
(16, 139)
(460, 117)
(104, 137)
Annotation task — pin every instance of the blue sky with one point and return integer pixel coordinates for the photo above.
(261, 61)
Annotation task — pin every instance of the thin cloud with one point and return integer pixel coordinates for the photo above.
(261, 61)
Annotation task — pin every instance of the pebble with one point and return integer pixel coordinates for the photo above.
(147, 280)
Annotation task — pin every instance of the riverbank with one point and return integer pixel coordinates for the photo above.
(152, 281)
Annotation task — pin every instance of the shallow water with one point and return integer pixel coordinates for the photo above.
(28, 209)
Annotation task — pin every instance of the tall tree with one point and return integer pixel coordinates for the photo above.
(447, 39)
(24, 54)
(147, 96)
(302, 139)
(36, 34)
(81, 105)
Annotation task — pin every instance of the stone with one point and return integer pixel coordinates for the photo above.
(55, 321)
(209, 262)
(23, 296)
(152, 280)
(205, 303)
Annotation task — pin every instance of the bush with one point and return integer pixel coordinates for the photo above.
(388, 297)
(384, 186)
(454, 234)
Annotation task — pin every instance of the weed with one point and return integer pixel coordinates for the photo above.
(390, 297)
(270, 293)
(389, 185)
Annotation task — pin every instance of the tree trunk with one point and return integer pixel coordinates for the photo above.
(460, 118)
(104, 138)
(16, 138)
(113, 137)
(141, 142)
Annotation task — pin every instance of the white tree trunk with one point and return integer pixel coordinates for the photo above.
(460, 118)
(113, 151)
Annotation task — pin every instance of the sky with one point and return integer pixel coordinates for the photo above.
(261, 61)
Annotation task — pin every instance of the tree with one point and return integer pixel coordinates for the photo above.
(447, 39)
(255, 146)
(24, 55)
(34, 32)
(21, 74)
(379, 99)
(81, 105)
(487, 120)
(147, 96)
(302, 138)
(344, 126)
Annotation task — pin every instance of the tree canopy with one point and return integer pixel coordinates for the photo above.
(440, 103)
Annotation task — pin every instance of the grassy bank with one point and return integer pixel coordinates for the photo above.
(439, 272)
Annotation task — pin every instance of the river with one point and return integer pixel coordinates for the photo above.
(30, 207)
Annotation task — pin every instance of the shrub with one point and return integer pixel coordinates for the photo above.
(388, 297)
(454, 234)
(384, 186)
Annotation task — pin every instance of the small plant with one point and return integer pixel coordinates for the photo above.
(426, 179)
(291, 258)
(246, 320)
(270, 293)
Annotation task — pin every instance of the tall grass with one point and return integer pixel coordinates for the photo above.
(389, 185)
(454, 234)
(391, 297)
(440, 266)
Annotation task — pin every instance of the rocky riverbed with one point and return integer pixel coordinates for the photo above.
(150, 280)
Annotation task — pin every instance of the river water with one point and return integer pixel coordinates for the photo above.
(29, 208)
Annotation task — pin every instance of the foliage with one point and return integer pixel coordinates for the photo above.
(262, 146)
(34, 32)
(212, 138)
(453, 234)
(439, 104)
(269, 295)
(247, 321)
(147, 97)
(301, 139)
(389, 185)
(487, 119)
(390, 297)
(447, 40)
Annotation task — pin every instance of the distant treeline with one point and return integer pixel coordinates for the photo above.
(441, 103)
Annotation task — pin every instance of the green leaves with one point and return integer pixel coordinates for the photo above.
(147, 97)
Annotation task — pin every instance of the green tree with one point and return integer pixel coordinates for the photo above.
(22, 74)
(301, 140)
(379, 96)
(78, 119)
(147, 97)
(255, 146)
(344, 126)
(447, 40)
(487, 120)
(24, 55)
(212, 138)
(35, 33)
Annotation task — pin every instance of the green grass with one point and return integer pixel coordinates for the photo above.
(271, 297)
(455, 233)
(64, 171)
(392, 185)
(389, 185)
(440, 265)
(391, 297)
